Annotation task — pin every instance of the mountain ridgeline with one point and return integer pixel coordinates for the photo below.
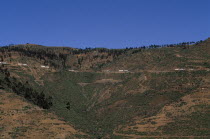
(80, 59)
(155, 91)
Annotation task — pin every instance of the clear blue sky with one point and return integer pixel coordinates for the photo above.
(103, 23)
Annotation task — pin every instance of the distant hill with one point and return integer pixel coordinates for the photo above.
(146, 92)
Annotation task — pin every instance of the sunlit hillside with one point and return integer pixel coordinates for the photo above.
(155, 91)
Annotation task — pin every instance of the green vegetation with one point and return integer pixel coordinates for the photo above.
(11, 83)
(198, 125)
(83, 101)
(99, 103)
(18, 131)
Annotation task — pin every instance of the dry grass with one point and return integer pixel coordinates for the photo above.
(20, 119)
(167, 115)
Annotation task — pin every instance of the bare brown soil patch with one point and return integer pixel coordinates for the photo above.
(107, 81)
(83, 84)
(20, 119)
(167, 114)
(178, 55)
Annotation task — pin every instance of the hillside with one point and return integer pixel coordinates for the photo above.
(154, 91)
(194, 56)
(20, 119)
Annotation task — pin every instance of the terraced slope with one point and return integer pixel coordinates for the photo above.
(165, 59)
(188, 118)
(164, 94)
